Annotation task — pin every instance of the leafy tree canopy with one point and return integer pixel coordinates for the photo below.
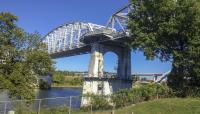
(170, 31)
(22, 58)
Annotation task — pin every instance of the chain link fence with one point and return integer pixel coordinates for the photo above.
(57, 105)
(41, 106)
(72, 105)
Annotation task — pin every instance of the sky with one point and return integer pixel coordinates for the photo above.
(45, 15)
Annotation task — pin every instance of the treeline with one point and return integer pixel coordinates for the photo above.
(67, 78)
(69, 73)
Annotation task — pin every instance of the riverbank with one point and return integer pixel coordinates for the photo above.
(68, 81)
(65, 86)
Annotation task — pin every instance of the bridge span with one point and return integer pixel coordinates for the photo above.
(70, 39)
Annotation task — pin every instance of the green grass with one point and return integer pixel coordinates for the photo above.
(57, 110)
(162, 106)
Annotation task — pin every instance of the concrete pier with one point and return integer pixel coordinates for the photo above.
(96, 82)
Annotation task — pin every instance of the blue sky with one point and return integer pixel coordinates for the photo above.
(44, 15)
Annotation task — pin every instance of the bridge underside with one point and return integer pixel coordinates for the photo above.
(73, 52)
(86, 49)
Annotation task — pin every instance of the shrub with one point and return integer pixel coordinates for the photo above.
(142, 93)
(98, 102)
(152, 91)
(44, 84)
(188, 92)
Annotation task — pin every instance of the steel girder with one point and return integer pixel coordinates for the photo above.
(67, 37)
(119, 19)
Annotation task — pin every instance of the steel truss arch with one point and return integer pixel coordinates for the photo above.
(67, 36)
(119, 19)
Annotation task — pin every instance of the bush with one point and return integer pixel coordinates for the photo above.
(98, 102)
(44, 84)
(187, 92)
(126, 97)
(142, 93)
(152, 91)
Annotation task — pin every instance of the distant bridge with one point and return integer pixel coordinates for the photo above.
(157, 77)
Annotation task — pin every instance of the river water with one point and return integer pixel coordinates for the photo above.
(59, 92)
(53, 93)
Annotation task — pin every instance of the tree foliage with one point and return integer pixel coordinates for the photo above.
(170, 31)
(58, 78)
(67, 78)
(23, 58)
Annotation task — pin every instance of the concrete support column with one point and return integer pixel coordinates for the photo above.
(124, 64)
(96, 61)
(95, 83)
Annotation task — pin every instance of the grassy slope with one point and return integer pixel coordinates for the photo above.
(165, 106)
(162, 106)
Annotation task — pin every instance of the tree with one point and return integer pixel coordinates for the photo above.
(58, 77)
(170, 31)
(24, 58)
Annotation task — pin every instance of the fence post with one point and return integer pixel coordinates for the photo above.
(113, 109)
(91, 109)
(5, 107)
(40, 100)
(70, 103)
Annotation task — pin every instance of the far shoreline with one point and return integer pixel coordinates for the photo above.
(70, 86)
